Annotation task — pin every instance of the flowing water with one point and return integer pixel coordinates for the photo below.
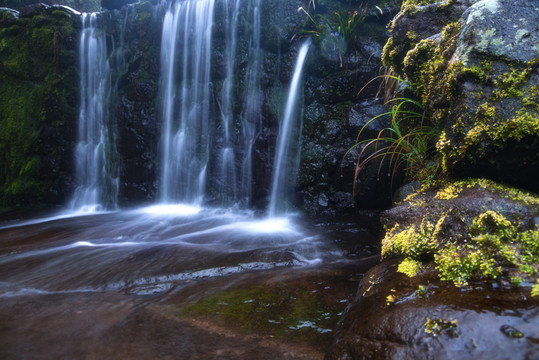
(286, 161)
(148, 250)
(196, 155)
(187, 28)
(97, 188)
(105, 285)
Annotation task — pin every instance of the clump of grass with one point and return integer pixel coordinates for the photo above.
(407, 144)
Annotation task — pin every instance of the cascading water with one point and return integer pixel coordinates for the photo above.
(195, 156)
(288, 142)
(185, 139)
(251, 116)
(97, 188)
(227, 181)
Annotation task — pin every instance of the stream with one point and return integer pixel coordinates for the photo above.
(109, 284)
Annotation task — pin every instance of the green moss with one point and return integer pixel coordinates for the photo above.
(437, 327)
(418, 2)
(409, 267)
(432, 76)
(421, 291)
(490, 245)
(495, 242)
(448, 192)
(418, 243)
(507, 116)
(451, 189)
(535, 288)
(391, 298)
(38, 92)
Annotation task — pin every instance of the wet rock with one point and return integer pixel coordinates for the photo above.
(115, 4)
(280, 21)
(415, 23)
(406, 190)
(438, 303)
(33, 10)
(362, 113)
(397, 317)
(459, 203)
(499, 29)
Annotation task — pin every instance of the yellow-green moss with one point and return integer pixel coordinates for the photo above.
(491, 245)
(448, 192)
(436, 327)
(414, 242)
(495, 242)
(535, 288)
(510, 113)
(409, 267)
(451, 189)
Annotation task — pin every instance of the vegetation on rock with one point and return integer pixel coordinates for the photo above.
(38, 88)
(466, 241)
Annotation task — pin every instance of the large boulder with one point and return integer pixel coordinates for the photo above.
(458, 278)
(476, 71)
(397, 317)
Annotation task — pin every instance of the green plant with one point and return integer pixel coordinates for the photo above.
(335, 34)
(347, 25)
(407, 142)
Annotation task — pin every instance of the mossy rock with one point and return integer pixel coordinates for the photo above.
(478, 76)
(470, 229)
(38, 87)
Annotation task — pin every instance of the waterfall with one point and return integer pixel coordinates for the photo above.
(185, 139)
(194, 154)
(227, 179)
(288, 142)
(96, 187)
(236, 175)
(251, 118)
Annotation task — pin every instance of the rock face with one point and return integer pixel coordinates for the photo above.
(447, 287)
(497, 130)
(136, 31)
(460, 258)
(334, 110)
(38, 88)
(477, 72)
(336, 107)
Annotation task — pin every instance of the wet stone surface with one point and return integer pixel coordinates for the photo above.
(146, 284)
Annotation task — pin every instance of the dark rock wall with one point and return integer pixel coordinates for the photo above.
(136, 35)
